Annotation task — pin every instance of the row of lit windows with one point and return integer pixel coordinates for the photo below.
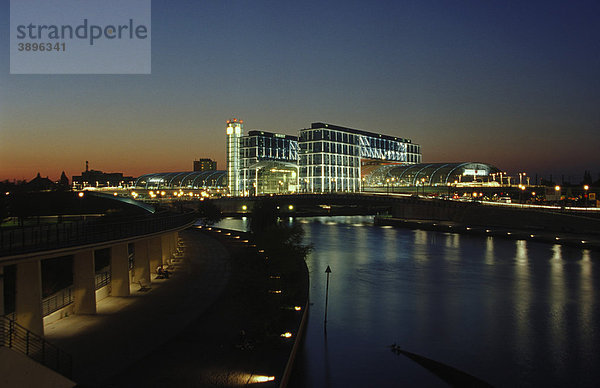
(333, 159)
(329, 171)
(285, 154)
(336, 148)
(328, 134)
(266, 141)
(323, 185)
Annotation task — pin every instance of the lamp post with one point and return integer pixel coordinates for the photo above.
(585, 194)
(557, 189)
(522, 187)
(327, 271)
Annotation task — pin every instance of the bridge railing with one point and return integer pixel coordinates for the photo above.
(54, 236)
(18, 338)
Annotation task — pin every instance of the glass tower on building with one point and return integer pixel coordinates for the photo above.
(234, 132)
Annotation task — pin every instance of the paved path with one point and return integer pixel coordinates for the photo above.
(126, 329)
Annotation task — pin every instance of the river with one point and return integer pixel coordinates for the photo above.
(508, 312)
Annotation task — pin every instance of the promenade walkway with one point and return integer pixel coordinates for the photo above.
(126, 329)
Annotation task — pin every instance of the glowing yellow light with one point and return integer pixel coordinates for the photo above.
(115, 194)
(297, 308)
(586, 187)
(162, 193)
(151, 193)
(80, 194)
(287, 334)
(291, 207)
(244, 207)
(262, 379)
(557, 188)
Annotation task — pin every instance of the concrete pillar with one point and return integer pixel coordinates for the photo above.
(119, 268)
(1, 290)
(84, 283)
(154, 252)
(166, 248)
(28, 308)
(175, 240)
(141, 264)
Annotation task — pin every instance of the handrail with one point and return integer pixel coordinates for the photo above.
(57, 301)
(64, 235)
(18, 338)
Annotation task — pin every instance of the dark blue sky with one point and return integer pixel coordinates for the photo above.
(515, 84)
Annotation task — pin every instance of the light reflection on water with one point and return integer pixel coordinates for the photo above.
(509, 312)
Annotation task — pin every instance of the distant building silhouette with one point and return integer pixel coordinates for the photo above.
(63, 182)
(40, 184)
(205, 165)
(96, 178)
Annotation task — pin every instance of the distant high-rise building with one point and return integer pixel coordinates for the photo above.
(205, 165)
(234, 131)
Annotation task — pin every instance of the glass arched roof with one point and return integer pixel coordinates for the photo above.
(431, 174)
(186, 179)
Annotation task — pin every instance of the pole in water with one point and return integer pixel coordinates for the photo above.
(327, 271)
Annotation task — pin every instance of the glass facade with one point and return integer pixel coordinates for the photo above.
(429, 174)
(269, 163)
(331, 156)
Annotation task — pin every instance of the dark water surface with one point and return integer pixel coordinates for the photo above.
(513, 313)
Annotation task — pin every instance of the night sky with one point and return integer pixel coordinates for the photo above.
(511, 83)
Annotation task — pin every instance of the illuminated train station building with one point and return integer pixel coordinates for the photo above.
(324, 158)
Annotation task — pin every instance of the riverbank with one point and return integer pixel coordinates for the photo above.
(187, 330)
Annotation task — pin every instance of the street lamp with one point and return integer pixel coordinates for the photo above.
(522, 187)
(585, 195)
(521, 175)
